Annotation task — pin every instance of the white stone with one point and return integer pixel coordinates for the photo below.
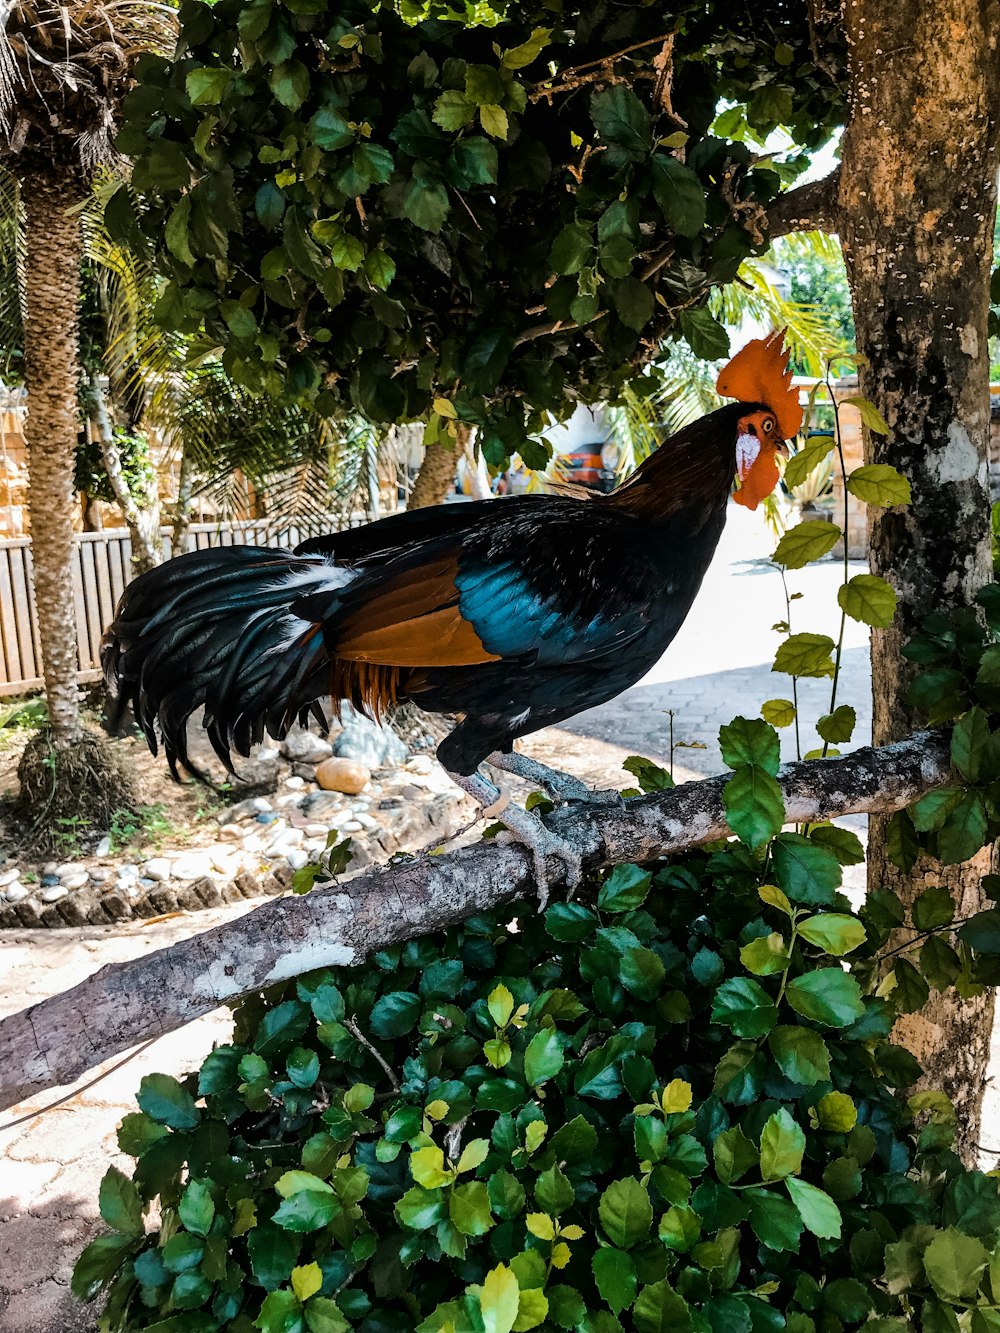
(253, 842)
(53, 894)
(192, 865)
(305, 747)
(352, 826)
(420, 763)
(15, 891)
(128, 871)
(315, 830)
(49, 868)
(101, 874)
(297, 858)
(76, 881)
(367, 822)
(295, 783)
(261, 803)
(290, 800)
(265, 755)
(9, 876)
(158, 867)
(66, 869)
(223, 860)
(231, 832)
(103, 848)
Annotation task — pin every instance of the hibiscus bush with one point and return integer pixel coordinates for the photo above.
(668, 1105)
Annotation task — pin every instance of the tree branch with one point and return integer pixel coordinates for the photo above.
(812, 207)
(55, 1041)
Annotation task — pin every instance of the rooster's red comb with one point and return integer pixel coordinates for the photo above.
(759, 374)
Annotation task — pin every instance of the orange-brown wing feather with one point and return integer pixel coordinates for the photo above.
(412, 620)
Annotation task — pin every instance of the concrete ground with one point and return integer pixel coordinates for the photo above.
(718, 666)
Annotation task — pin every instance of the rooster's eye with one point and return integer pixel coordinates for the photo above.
(768, 425)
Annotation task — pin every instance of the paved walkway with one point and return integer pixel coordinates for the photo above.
(717, 667)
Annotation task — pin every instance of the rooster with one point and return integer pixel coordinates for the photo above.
(514, 614)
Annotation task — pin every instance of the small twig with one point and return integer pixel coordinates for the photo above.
(358, 1035)
(453, 1138)
(61, 1101)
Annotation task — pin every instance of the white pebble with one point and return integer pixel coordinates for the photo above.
(128, 871)
(366, 821)
(295, 783)
(264, 756)
(53, 894)
(231, 832)
(9, 876)
(157, 867)
(66, 869)
(420, 763)
(15, 891)
(291, 800)
(76, 881)
(352, 826)
(192, 865)
(261, 803)
(297, 858)
(315, 830)
(103, 848)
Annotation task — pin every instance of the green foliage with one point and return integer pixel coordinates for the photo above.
(663, 1106)
(370, 206)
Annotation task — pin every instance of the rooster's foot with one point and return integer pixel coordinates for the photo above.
(560, 786)
(527, 829)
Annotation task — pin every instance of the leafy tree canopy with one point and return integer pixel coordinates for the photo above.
(398, 211)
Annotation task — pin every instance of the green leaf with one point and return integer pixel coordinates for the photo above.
(570, 922)
(469, 1208)
(836, 1113)
(778, 712)
(982, 932)
(475, 160)
(426, 205)
(120, 1204)
(933, 808)
(869, 599)
(939, 963)
(543, 1058)
(845, 845)
(750, 741)
(165, 1101)
(421, 1209)
(680, 1227)
(879, 484)
(839, 725)
(100, 1261)
(649, 776)
(755, 807)
(498, 1300)
(428, 1169)
(833, 932)
(614, 1273)
(819, 1213)
(571, 249)
(633, 301)
(800, 1054)
(869, 413)
(280, 1313)
(681, 198)
(806, 459)
(954, 1263)
(641, 973)
(176, 232)
(626, 1213)
(307, 1211)
(197, 1208)
(625, 889)
(506, 1194)
(743, 1005)
(290, 83)
(501, 1005)
(395, 1014)
(765, 955)
(805, 655)
(622, 122)
(828, 996)
(323, 1315)
(453, 110)
(969, 741)
(775, 1221)
(517, 57)
(494, 121)
(734, 1155)
(807, 872)
(206, 87)
(964, 831)
(806, 542)
(659, 1309)
(782, 1144)
(703, 333)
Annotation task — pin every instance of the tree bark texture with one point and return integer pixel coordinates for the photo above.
(142, 520)
(51, 318)
(437, 472)
(52, 1043)
(917, 206)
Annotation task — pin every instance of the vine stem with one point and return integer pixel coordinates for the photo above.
(795, 679)
(847, 557)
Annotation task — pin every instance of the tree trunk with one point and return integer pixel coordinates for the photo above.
(92, 520)
(142, 520)
(437, 473)
(182, 509)
(917, 203)
(51, 320)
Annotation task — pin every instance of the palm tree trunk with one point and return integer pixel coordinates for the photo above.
(182, 509)
(142, 521)
(437, 472)
(51, 324)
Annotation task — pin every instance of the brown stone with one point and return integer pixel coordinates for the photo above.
(344, 775)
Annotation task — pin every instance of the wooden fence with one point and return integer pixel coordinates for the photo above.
(101, 569)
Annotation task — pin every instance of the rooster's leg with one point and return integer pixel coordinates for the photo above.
(525, 828)
(560, 786)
